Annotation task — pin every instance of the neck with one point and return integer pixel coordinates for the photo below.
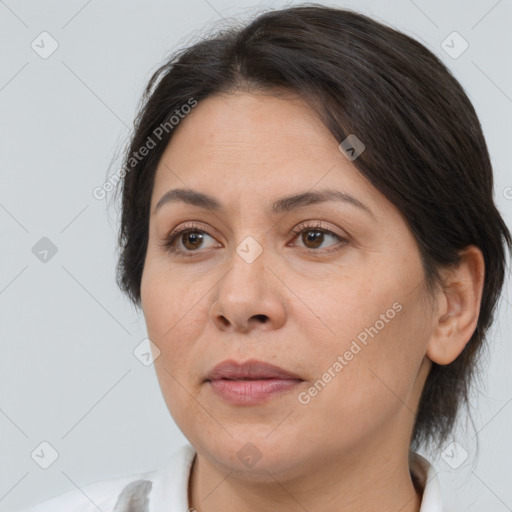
(347, 483)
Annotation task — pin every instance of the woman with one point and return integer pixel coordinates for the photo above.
(308, 226)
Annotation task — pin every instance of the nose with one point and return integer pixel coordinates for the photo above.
(249, 296)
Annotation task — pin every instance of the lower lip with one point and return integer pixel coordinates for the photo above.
(246, 392)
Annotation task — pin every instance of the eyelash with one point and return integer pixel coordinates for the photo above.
(169, 241)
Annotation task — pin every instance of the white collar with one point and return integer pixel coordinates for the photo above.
(171, 485)
(432, 500)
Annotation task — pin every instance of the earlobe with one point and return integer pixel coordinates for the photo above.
(457, 317)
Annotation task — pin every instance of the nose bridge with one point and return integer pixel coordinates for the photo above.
(250, 254)
(247, 262)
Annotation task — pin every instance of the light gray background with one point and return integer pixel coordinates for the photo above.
(67, 372)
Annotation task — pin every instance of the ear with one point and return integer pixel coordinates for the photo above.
(458, 307)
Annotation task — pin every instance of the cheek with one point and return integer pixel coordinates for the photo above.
(175, 317)
(173, 312)
(386, 356)
(170, 303)
(379, 329)
(369, 387)
(337, 307)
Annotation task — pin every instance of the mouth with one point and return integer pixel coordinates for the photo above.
(250, 383)
(249, 370)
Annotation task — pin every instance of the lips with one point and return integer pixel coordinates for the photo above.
(249, 370)
(250, 383)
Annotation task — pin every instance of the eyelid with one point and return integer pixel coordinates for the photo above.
(307, 224)
(189, 225)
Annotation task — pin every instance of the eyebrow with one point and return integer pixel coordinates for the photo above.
(281, 205)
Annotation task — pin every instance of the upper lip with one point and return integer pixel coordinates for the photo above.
(251, 369)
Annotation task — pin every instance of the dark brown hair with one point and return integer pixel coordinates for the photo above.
(425, 150)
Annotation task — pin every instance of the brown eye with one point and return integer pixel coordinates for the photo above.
(186, 241)
(313, 238)
(191, 239)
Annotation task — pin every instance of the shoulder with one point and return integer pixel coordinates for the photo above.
(106, 495)
(151, 491)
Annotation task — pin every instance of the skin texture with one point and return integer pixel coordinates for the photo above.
(347, 449)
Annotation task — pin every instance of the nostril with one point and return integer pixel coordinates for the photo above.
(224, 320)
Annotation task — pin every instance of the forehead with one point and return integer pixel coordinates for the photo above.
(254, 145)
(232, 126)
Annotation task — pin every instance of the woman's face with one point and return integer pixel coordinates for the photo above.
(331, 290)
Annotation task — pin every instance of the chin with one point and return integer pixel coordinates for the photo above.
(252, 454)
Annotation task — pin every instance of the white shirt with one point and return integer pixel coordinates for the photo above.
(166, 489)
